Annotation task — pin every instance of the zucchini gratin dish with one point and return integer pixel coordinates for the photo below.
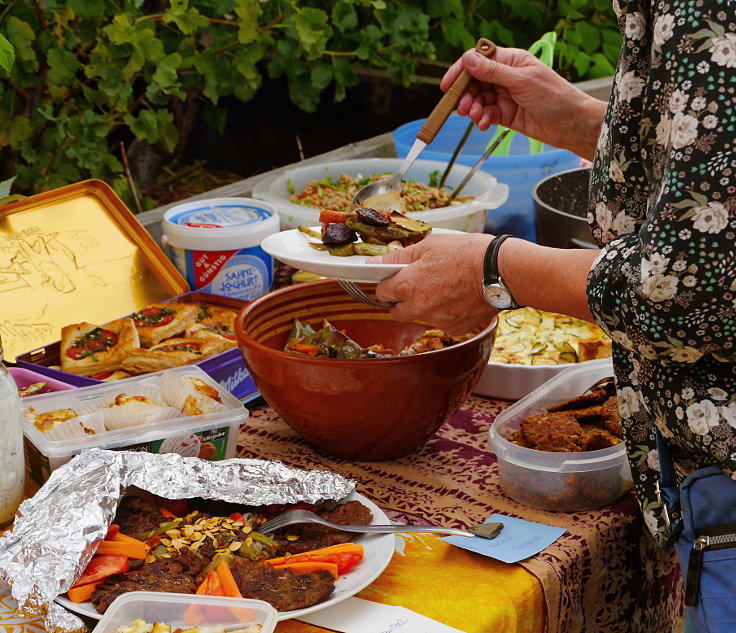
(528, 336)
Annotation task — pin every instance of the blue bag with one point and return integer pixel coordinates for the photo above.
(706, 543)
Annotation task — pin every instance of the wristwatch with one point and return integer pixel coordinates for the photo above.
(494, 290)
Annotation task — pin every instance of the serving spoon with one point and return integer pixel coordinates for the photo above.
(388, 188)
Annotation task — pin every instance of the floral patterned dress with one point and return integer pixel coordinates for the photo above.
(663, 207)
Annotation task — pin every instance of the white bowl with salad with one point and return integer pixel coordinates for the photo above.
(299, 194)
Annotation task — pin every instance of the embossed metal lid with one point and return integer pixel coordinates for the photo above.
(75, 254)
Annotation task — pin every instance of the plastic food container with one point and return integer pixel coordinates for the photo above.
(211, 436)
(559, 482)
(216, 245)
(519, 169)
(469, 217)
(184, 612)
(25, 377)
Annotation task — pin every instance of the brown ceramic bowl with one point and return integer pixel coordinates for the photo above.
(366, 410)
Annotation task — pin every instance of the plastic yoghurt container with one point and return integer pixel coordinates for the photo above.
(216, 245)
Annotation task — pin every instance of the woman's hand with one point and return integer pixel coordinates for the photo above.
(444, 284)
(518, 91)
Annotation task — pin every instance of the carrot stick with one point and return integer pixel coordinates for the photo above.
(229, 586)
(137, 550)
(167, 513)
(83, 593)
(341, 548)
(125, 538)
(306, 568)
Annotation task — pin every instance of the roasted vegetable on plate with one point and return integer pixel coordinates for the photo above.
(380, 231)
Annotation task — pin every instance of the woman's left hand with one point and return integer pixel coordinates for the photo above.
(442, 285)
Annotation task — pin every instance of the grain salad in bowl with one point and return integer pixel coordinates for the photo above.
(299, 194)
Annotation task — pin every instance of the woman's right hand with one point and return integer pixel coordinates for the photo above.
(518, 91)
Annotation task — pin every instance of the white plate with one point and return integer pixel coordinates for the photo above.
(292, 248)
(378, 550)
(513, 382)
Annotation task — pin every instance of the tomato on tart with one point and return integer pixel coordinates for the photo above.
(88, 349)
(160, 321)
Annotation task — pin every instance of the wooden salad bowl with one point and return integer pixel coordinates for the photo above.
(365, 410)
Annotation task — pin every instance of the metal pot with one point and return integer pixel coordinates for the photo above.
(561, 208)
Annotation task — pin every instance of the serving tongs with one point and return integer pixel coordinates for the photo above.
(484, 530)
(432, 125)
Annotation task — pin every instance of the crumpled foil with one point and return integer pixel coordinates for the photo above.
(56, 531)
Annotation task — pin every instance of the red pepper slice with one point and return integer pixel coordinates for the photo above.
(112, 531)
(101, 567)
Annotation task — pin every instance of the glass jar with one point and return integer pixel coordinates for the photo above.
(12, 462)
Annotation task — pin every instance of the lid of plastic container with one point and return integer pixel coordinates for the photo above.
(220, 223)
(75, 254)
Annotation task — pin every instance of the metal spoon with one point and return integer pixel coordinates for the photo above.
(426, 134)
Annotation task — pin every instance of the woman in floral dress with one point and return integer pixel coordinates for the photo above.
(663, 210)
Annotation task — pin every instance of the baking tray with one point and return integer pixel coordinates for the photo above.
(227, 368)
(75, 254)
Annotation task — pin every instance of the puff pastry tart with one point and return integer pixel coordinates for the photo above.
(160, 321)
(216, 316)
(173, 352)
(88, 349)
(215, 332)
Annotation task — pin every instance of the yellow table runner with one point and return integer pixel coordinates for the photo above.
(462, 589)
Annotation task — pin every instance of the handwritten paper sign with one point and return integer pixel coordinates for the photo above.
(518, 540)
(354, 615)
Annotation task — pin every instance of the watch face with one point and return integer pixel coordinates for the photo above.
(498, 296)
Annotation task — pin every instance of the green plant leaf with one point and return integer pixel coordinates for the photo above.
(166, 76)
(144, 125)
(186, 18)
(20, 34)
(313, 31)
(456, 34)
(5, 186)
(589, 37)
(7, 54)
(63, 67)
(344, 16)
(249, 13)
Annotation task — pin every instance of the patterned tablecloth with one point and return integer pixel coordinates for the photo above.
(604, 575)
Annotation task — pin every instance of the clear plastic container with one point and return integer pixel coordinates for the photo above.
(560, 482)
(469, 216)
(187, 611)
(12, 466)
(211, 436)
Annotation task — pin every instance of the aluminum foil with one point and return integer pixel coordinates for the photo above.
(56, 531)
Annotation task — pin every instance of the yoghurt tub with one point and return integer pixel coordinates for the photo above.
(216, 245)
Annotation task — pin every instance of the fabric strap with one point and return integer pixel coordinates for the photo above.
(669, 494)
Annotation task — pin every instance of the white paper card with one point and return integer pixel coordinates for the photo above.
(355, 615)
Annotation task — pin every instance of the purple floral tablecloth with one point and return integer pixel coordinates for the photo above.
(604, 575)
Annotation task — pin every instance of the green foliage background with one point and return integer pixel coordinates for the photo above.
(90, 72)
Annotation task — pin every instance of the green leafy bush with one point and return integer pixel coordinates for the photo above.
(90, 74)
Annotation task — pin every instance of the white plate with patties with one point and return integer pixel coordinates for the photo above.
(378, 550)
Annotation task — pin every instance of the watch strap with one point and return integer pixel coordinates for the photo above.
(490, 261)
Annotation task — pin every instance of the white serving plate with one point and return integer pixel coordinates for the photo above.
(378, 551)
(513, 382)
(292, 248)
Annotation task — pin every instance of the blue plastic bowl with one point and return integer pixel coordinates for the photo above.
(520, 170)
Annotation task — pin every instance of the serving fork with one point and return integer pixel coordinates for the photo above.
(357, 293)
(485, 530)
